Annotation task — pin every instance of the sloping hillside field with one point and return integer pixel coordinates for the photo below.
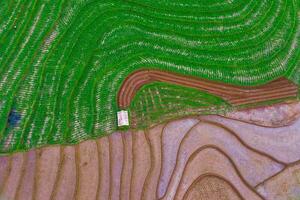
(68, 66)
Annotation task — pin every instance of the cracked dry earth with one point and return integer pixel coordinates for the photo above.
(250, 155)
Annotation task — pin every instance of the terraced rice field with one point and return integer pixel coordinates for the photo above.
(203, 158)
(62, 63)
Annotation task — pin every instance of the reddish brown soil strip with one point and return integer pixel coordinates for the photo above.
(88, 170)
(116, 167)
(26, 184)
(5, 168)
(104, 159)
(236, 95)
(65, 188)
(127, 167)
(14, 177)
(47, 171)
(150, 185)
(141, 164)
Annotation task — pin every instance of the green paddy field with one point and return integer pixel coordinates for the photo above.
(62, 62)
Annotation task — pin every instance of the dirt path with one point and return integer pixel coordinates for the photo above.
(236, 95)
